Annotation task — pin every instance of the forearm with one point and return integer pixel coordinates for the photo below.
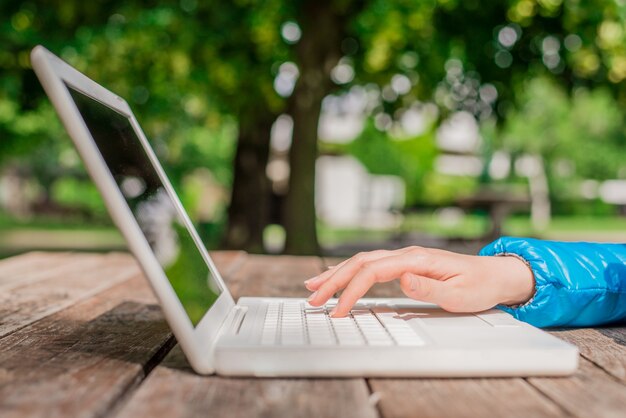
(575, 284)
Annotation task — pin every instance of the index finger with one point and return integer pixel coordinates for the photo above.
(378, 271)
(341, 276)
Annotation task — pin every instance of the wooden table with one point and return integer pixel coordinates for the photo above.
(81, 335)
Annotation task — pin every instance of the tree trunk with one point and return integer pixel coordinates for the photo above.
(317, 52)
(248, 212)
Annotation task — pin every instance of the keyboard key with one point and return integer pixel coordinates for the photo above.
(270, 326)
(346, 331)
(373, 331)
(400, 331)
(320, 332)
(292, 328)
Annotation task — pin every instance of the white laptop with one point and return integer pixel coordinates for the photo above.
(270, 336)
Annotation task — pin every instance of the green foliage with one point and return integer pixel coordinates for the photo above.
(195, 71)
(24, 132)
(444, 190)
(584, 131)
(182, 67)
(574, 43)
(81, 195)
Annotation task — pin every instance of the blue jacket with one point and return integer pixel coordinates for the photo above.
(576, 283)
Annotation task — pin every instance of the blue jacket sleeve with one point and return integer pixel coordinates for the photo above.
(576, 283)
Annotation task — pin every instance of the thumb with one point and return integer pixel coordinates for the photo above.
(422, 288)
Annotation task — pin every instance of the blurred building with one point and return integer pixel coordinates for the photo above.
(347, 196)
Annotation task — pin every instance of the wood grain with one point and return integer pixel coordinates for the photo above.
(80, 361)
(82, 332)
(461, 398)
(605, 347)
(174, 390)
(28, 267)
(591, 392)
(82, 276)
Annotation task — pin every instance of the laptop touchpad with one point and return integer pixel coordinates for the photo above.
(437, 317)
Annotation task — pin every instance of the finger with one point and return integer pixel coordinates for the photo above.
(314, 283)
(342, 275)
(378, 271)
(428, 290)
(317, 281)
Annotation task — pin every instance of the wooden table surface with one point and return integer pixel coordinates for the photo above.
(81, 335)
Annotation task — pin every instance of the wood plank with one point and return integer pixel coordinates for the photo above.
(83, 360)
(71, 280)
(19, 260)
(618, 334)
(18, 268)
(461, 398)
(59, 265)
(591, 392)
(79, 362)
(228, 261)
(263, 275)
(605, 347)
(172, 389)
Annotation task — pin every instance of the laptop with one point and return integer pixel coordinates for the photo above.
(258, 336)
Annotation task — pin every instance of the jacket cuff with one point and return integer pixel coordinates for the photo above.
(526, 312)
(576, 284)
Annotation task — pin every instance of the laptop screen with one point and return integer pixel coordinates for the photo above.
(151, 205)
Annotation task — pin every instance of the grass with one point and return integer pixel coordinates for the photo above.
(50, 223)
(474, 225)
(572, 228)
(53, 234)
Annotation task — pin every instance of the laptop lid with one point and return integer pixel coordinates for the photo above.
(142, 203)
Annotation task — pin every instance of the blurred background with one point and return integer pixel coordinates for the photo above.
(330, 127)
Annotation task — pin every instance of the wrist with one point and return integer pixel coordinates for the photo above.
(514, 278)
(521, 279)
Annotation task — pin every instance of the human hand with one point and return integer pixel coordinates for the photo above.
(455, 282)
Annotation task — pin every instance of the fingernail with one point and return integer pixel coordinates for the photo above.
(330, 267)
(310, 280)
(333, 312)
(413, 284)
(310, 298)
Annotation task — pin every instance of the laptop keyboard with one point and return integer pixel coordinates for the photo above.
(297, 323)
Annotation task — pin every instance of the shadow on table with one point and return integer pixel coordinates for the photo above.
(614, 332)
(128, 333)
(176, 360)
